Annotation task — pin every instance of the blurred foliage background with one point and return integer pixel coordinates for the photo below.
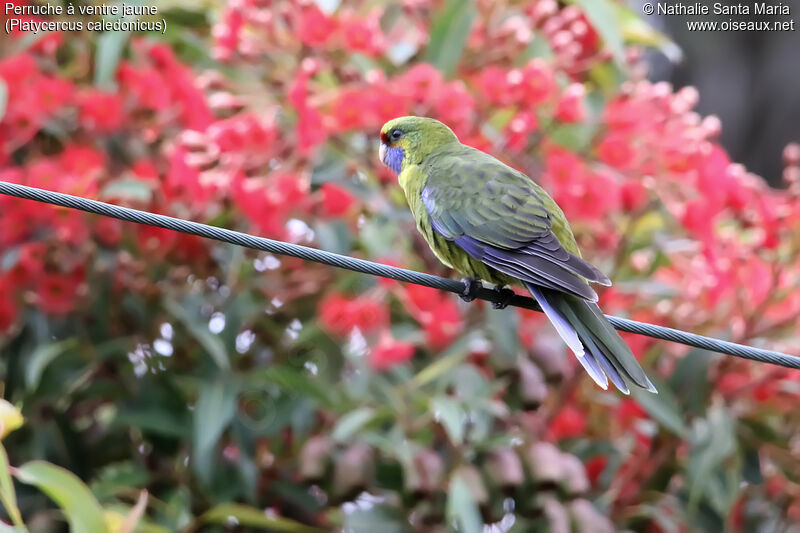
(158, 382)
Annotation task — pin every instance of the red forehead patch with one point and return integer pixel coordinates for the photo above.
(384, 137)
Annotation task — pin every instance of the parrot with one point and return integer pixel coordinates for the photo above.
(490, 222)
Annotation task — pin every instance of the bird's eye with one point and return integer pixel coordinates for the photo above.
(396, 134)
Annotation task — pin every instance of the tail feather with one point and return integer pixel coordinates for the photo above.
(562, 325)
(602, 352)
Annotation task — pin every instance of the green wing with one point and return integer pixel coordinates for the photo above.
(502, 218)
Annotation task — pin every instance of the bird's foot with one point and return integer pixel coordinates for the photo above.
(471, 286)
(506, 295)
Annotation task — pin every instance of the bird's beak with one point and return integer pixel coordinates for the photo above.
(382, 153)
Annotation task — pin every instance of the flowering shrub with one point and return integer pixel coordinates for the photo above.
(226, 382)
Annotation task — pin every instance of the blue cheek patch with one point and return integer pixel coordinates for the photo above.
(394, 158)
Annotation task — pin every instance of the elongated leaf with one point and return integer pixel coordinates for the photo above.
(663, 407)
(636, 31)
(212, 343)
(214, 411)
(74, 498)
(603, 16)
(349, 424)
(503, 326)
(713, 441)
(449, 32)
(449, 413)
(7, 495)
(3, 98)
(248, 516)
(461, 508)
(295, 381)
(110, 46)
(453, 357)
(128, 189)
(41, 358)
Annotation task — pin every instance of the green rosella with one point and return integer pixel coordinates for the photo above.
(491, 222)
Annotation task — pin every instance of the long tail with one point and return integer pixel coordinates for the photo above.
(593, 340)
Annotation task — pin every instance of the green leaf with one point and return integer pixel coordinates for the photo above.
(334, 236)
(461, 508)
(247, 516)
(453, 357)
(3, 98)
(636, 31)
(7, 494)
(110, 45)
(349, 424)
(118, 478)
(128, 189)
(449, 32)
(449, 414)
(214, 411)
(76, 501)
(212, 343)
(503, 325)
(295, 381)
(381, 518)
(42, 356)
(663, 407)
(603, 16)
(713, 441)
(573, 137)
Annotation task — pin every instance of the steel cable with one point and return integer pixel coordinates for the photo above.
(377, 269)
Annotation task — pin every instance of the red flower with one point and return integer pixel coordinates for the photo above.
(538, 83)
(352, 109)
(108, 231)
(519, 130)
(309, 130)
(570, 107)
(698, 217)
(455, 107)
(628, 412)
(155, 241)
(615, 150)
(82, 160)
(314, 27)
(57, 293)
(70, 226)
(390, 352)
(52, 94)
(101, 111)
(15, 226)
(633, 196)
(596, 466)
(340, 315)
(568, 423)
(336, 200)
(493, 83)
(195, 113)
(264, 208)
(421, 83)
(437, 312)
(562, 165)
(443, 325)
(362, 35)
(8, 308)
(387, 105)
(146, 85)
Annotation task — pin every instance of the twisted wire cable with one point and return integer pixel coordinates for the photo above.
(378, 269)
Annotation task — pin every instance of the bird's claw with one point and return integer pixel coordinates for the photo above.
(471, 286)
(506, 295)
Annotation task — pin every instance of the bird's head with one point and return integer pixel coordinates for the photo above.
(409, 140)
